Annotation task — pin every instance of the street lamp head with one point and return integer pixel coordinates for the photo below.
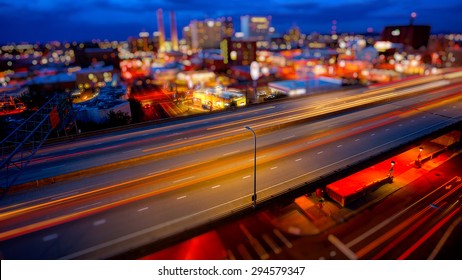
(392, 162)
(421, 149)
(247, 127)
(254, 70)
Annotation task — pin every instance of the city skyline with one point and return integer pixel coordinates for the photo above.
(65, 20)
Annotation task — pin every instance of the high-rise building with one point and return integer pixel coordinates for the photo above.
(238, 52)
(205, 34)
(173, 31)
(228, 27)
(414, 36)
(142, 44)
(256, 28)
(160, 27)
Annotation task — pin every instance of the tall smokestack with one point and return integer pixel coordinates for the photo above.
(173, 31)
(160, 26)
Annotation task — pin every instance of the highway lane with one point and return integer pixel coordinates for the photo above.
(406, 226)
(275, 174)
(209, 152)
(319, 128)
(92, 152)
(372, 229)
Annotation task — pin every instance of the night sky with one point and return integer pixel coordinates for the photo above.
(79, 20)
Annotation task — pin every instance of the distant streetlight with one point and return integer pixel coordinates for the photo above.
(190, 87)
(419, 157)
(390, 173)
(254, 196)
(254, 74)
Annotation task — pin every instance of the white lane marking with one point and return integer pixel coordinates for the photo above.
(86, 206)
(230, 255)
(298, 159)
(387, 129)
(274, 167)
(288, 137)
(143, 209)
(312, 141)
(392, 218)
(246, 177)
(217, 186)
(282, 238)
(100, 143)
(64, 195)
(71, 149)
(50, 237)
(230, 153)
(256, 245)
(99, 222)
(373, 134)
(320, 152)
(181, 197)
(184, 179)
(244, 252)
(159, 171)
(342, 247)
(339, 146)
(53, 167)
(129, 151)
(257, 158)
(400, 124)
(274, 246)
(357, 140)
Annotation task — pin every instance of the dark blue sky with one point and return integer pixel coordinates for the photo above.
(69, 20)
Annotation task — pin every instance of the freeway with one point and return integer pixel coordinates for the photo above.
(134, 206)
(119, 148)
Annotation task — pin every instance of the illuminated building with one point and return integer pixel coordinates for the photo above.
(160, 27)
(141, 44)
(228, 27)
(415, 36)
(90, 78)
(238, 52)
(204, 34)
(307, 86)
(87, 54)
(218, 98)
(256, 28)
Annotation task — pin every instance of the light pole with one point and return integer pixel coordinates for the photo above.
(392, 168)
(419, 157)
(254, 196)
(254, 74)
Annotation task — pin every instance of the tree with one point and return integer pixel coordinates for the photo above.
(118, 118)
(136, 110)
